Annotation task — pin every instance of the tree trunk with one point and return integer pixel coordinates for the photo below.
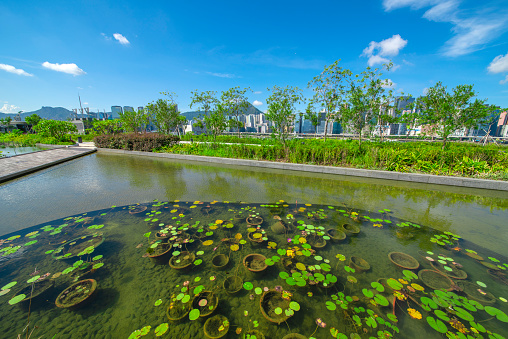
(444, 144)
(326, 127)
(360, 140)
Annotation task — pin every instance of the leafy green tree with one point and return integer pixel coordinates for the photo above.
(107, 126)
(134, 121)
(330, 89)
(55, 128)
(235, 103)
(447, 112)
(32, 120)
(312, 116)
(368, 100)
(411, 117)
(164, 114)
(281, 110)
(5, 122)
(214, 117)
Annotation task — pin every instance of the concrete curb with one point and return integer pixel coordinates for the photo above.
(20, 173)
(357, 172)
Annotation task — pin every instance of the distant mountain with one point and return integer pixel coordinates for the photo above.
(54, 113)
(195, 114)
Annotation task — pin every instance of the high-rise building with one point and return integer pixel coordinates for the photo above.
(116, 111)
(128, 109)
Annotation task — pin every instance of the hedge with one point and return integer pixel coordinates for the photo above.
(145, 142)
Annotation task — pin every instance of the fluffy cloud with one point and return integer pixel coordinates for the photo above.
(121, 39)
(385, 48)
(12, 69)
(222, 75)
(257, 103)
(472, 27)
(64, 68)
(499, 64)
(6, 108)
(502, 82)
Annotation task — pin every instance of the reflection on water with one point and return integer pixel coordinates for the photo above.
(10, 151)
(313, 279)
(101, 180)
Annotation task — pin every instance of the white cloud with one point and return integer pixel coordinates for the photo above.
(12, 69)
(376, 59)
(257, 103)
(472, 27)
(257, 92)
(64, 68)
(106, 37)
(387, 47)
(408, 62)
(222, 75)
(85, 103)
(502, 82)
(121, 39)
(499, 64)
(9, 109)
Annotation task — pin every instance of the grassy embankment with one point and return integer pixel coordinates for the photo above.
(459, 159)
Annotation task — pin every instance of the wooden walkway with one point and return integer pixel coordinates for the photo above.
(23, 164)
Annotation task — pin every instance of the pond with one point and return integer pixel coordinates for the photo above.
(202, 212)
(9, 151)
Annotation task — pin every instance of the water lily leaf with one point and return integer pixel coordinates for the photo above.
(500, 315)
(17, 299)
(9, 285)
(381, 300)
(248, 285)
(377, 286)
(194, 314)
(441, 315)
(331, 306)
(283, 275)
(161, 329)
(394, 284)
(462, 313)
(294, 306)
(158, 302)
(258, 290)
(367, 293)
(438, 325)
(278, 310)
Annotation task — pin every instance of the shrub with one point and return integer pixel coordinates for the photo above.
(146, 142)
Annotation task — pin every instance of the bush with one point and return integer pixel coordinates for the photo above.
(146, 142)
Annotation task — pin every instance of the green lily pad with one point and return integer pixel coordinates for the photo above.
(367, 293)
(9, 285)
(438, 325)
(248, 285)
(278, 310)
(331, 306)
(17, 299)
(161, 329)
(381, 300)
(194, 314)
(294, 306)
(500, 315)
(158, 302)
(394, 284)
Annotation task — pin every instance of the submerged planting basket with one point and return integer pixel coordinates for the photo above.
(472, 292)
(455, 273)
(137, 209)
(182, 260)
(74, 247)
(38, 289)
(254, 220)
(359, 264)
(435, 280)
(404, 260)
(269, 301)
(255, 262)
(256, 333)
(205, 310)
(177, 311)
(162, 252)
(68, 298)
(336, 235)
(220, 261)
(294, 336)
(316, 242)
(351, 229)
(212, 327)
(233, 284)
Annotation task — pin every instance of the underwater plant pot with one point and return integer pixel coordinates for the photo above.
(182, 260)
(403, 260)
(255, 237)
(453, 271)
(255, 262)
(435, 280)
(253, 334)
(336, 235)
(473, 292)
(254, 220)
(160, 253)
(238, 218)
(359, 264)
(294, 336)
(182, 238)
(216, 327)
(77, 294)
(177, 310)
(160, 235)
(220, 261)
(207, 210)
(498, 276)
(269, 302)
(74, 247)
(137, 209)
(350, 229)
(316, 242)
(38, 289)
(208, 307)
(279, 227)
(233, 284)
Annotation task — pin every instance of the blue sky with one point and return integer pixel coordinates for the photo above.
(125, 53)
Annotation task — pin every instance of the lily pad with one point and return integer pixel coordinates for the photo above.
(438, 325)
(17, 299)
(161, 329)
(194, 314)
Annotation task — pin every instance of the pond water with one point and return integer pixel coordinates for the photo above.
(129, 285)
(162, 259)
(9, 151)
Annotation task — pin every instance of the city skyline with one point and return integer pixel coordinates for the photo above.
(127, 53)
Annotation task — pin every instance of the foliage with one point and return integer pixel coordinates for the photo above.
(214, 118)
(281, 110)
(134, 121)
(447, 112)
(330, 92)
(23, 140)
(33, 120)
(145, 142)
(55, 128)
(107, 126)
(165, 116)
(459, 159)
(313, 117)
(234, 103)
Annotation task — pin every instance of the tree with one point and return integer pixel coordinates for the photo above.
(281, 110)
(447, 112)
(411, 117)
(33, 120)
(235, 103)
(164, 114)
(330, 92)
(6, 121)
(368, 100)
(134, 121)
(107, 126)
(214, 117)
(55, 128)
(312, 116)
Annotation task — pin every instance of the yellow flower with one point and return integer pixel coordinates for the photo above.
(399, 295)
(290, 253)
(402, 281)
(378, 225)
(414, 313)
(218, 222)
(354, 213)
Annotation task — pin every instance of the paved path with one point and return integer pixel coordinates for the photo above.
(22, 164)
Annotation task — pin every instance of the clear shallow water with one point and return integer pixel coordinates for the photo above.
(10, 151)
(130, 284)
